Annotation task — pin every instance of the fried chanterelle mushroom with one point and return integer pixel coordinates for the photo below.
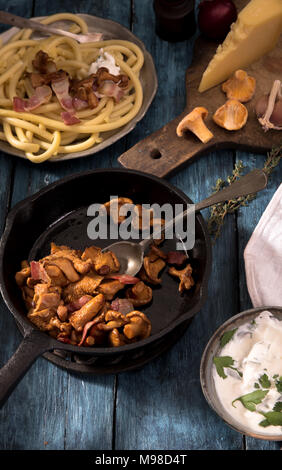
(138, 325)
(67, 295)
(114, 206)
(139, 294)
(185, 277)
(153, 264)
(80, 298)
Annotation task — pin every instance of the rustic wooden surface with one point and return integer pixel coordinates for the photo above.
(174, 152)
(160, 406)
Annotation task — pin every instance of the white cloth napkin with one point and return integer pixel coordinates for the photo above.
(263, 256)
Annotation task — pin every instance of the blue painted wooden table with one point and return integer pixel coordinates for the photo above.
(160, 406)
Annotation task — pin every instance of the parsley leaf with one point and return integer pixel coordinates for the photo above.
(252, 399)
(278, 406)
(278, 384)
(256, 385)
(224, 361)
(274, 418)
(264, 423)
(264, 381)
(227, 336)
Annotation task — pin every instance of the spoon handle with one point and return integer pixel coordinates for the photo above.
(18, 21)
(251, 183)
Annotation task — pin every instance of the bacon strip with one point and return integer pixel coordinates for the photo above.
(69, 118)
(41, 96)
(77, 304)
(123, 278)
(39, 79)
(111, 89)
(123, 306)
(64, 339)
(85, 331)
(176, 257)
(79, 104)
(61, 90)
(38, 272)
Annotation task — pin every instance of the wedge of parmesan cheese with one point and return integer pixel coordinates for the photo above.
(253, 35)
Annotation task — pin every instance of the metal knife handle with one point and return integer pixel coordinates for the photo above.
(19, 22)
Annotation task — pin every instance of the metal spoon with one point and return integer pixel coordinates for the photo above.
(131, 254)
(14, 20)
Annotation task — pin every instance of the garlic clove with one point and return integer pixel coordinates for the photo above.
(261, 105)
(276, 116)
(269, 108)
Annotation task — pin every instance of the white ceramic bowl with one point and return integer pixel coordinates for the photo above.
(206, 368)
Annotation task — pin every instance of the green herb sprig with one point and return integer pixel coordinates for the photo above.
(278, 384)
(224, 361)
(227, 336)
(273, 418)
(219, 211)
(264, 381)
(251, 399)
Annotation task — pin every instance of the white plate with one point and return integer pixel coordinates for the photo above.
(148, 78)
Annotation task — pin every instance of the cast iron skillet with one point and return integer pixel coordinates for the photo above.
(58, 213)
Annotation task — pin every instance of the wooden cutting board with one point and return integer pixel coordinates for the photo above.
(163, 152)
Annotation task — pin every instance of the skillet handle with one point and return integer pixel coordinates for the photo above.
(33, 345)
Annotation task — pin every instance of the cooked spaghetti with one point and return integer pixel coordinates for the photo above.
(50, 102)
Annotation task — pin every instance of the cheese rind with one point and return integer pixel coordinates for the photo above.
(253, 35)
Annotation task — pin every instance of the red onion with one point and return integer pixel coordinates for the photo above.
(215, 17)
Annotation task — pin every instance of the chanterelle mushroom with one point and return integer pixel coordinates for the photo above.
(113, 320)
(139, 294)
(103, 263)
(185, 276)
(116, 338)
(152, 269)
(194, 122)
(113, 208)
(139, 325)
(232, 115)
(240, 86)
(156, 253)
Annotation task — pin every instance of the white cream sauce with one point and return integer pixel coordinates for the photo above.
(105, 60)
(256, 348)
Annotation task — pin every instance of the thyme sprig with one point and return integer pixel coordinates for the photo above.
(219, 211)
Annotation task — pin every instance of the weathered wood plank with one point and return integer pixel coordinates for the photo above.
(61, 410)
(247, 220)
(162, 406)
(10, 337)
